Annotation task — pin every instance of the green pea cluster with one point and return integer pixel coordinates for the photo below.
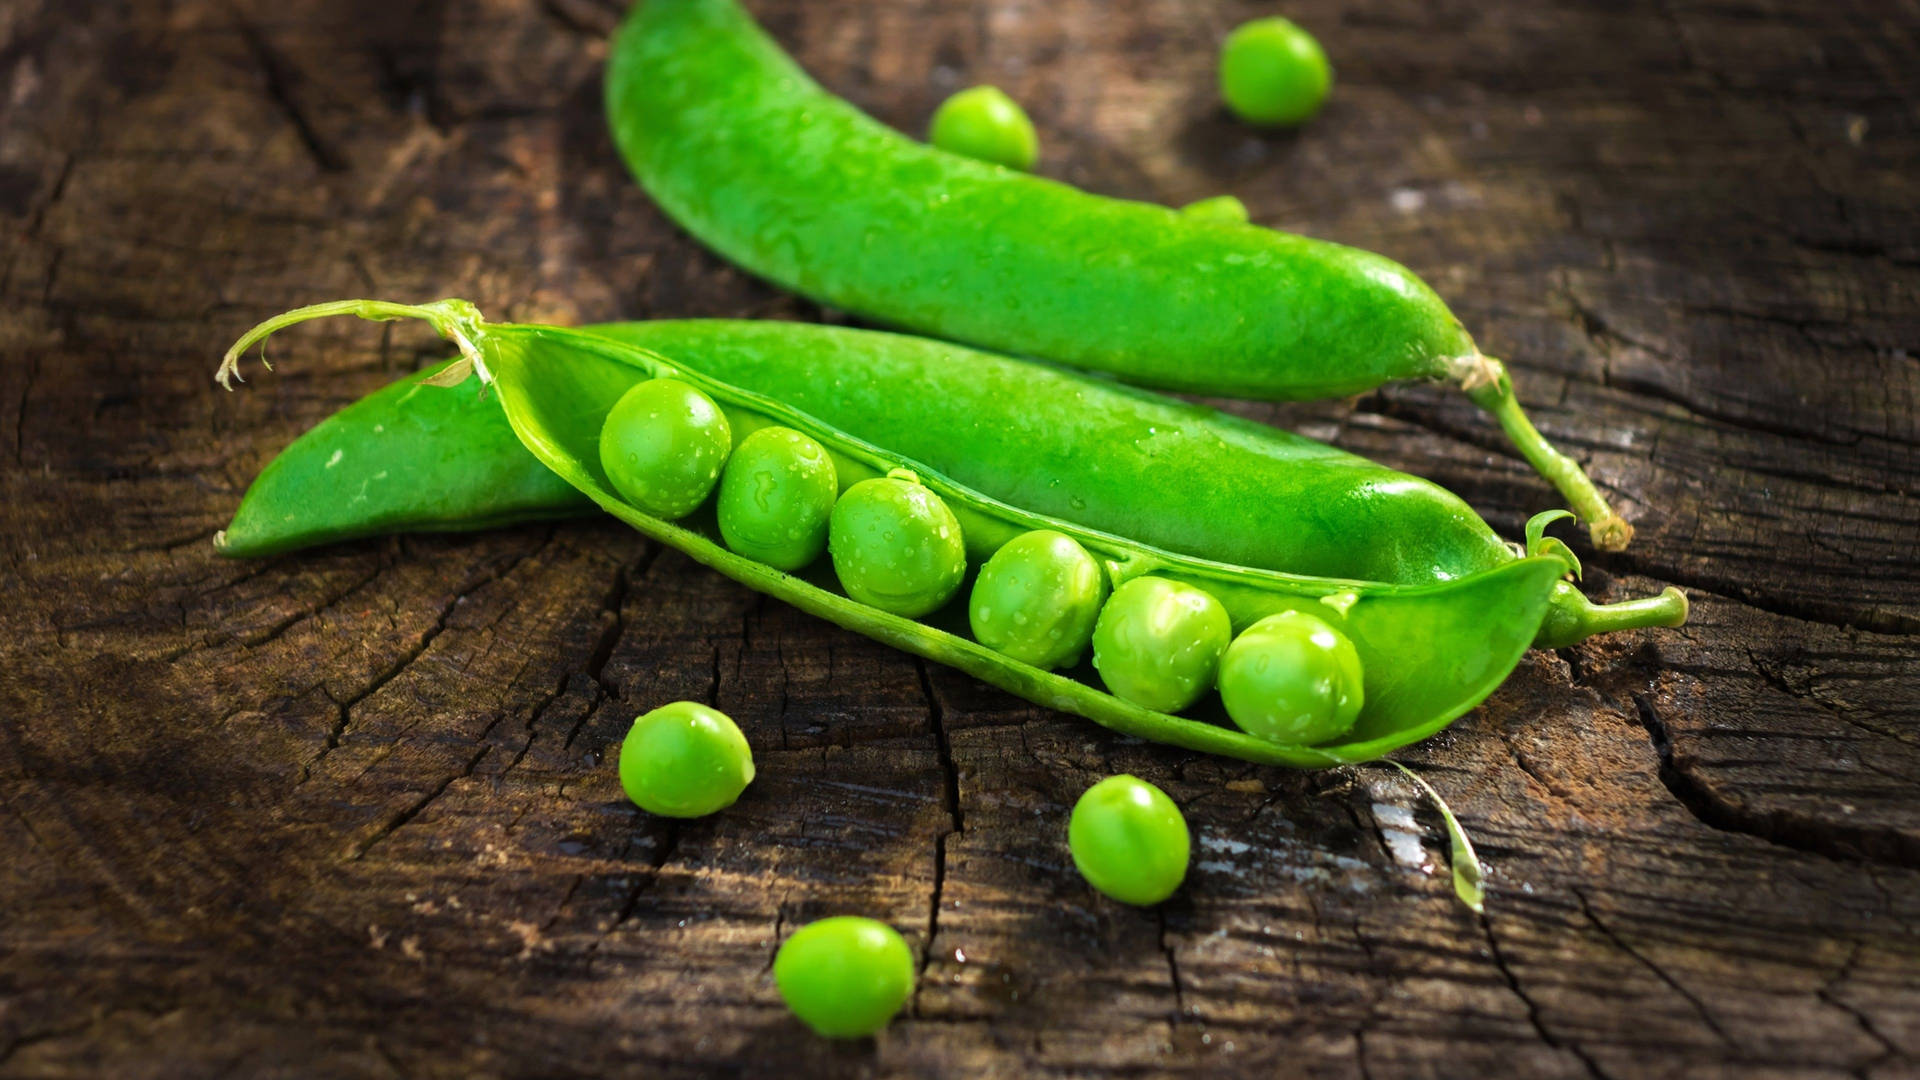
(1040, 599)
(1289, 678)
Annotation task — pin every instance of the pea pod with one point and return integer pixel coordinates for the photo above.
(760, 163)
(1167, 473)
(1171, 474)
(1431, 652)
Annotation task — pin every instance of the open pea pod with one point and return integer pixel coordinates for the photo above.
(1429, 652)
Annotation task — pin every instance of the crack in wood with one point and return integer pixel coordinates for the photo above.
(274, 69)
(950, 788)
(1816, 837)
(1700, 1007)
(1533, 1008)
(1181, 1013)
(1888, 1049)
(359, 848)
(411, 656)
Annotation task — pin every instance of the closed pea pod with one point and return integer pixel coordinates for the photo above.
(739, 146)
(1429, 651)
(775, 498)
(1037, 598)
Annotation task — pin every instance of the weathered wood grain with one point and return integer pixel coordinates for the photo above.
(350, 812)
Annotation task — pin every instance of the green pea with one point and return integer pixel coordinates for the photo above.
(845, 977)
(983, 123)
(1158, 642)
(1291, 678)
(1225, 209)
(1273, 72)
(776, 496)
(1129, 840)
(662, 447)
(895, 545)
(685, 760)
(1036, 599)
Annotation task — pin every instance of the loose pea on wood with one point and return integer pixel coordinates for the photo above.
(845, 976)
(983, 123)
(1129, 840)
(1273, 72)
(685, 760)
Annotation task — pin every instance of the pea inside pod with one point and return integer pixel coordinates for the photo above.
(1037, 598)
(1158, 642)
(663, 446)
(776, 497)
(1291, 678)
(896, 545)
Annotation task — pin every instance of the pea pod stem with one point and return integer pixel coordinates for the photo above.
(1467, 875)
(1572, 618)
(1489, 385)
(456, 320)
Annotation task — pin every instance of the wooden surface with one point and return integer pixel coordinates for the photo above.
(351, 812)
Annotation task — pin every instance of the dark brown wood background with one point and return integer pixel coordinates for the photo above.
(351, 812)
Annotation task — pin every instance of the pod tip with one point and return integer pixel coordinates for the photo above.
(1611, 533)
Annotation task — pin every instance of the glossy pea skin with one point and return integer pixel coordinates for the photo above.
(663, 445)
(845, 977)
(896, 545)
(685, 760)
(1157, 642)
(1292, 678)
(776, 496)
(1273, 72)
(1036, 599)
(1129, 840)
(985, 124)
